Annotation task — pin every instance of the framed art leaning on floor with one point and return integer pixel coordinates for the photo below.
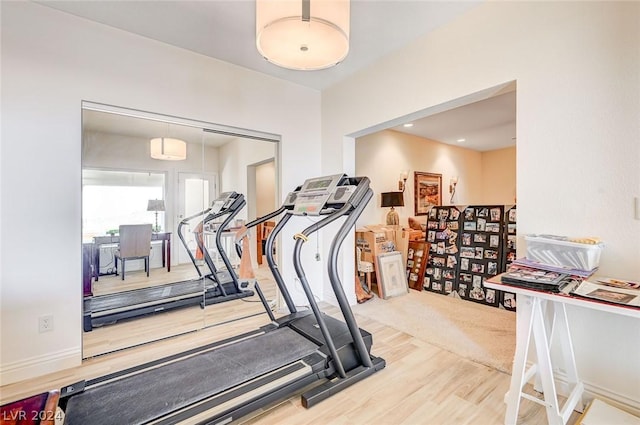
(390, 274)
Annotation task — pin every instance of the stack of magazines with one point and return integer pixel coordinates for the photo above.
(539, 278)
(615, 291)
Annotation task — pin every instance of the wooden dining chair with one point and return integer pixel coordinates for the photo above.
(263, 231)
(135, 244)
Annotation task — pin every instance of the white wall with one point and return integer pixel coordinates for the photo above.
(51, 61)
(399, 151)
(233, 160)
(498, 177)
(265, 189)
(577, 67)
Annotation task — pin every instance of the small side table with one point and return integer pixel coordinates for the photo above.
(542, 318)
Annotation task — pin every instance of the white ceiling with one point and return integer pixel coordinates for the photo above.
(484, 125)
(225, 30)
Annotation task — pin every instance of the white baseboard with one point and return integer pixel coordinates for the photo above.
(40, 365)
(592, 391)
(620, 401)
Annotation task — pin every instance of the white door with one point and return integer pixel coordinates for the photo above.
(195, 193)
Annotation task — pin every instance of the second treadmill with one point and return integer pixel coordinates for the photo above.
(214, 287)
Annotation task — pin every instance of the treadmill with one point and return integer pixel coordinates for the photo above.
(226, 380)
(219, 286)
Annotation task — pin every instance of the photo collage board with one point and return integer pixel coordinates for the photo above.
(470, 244)
(508, 299)
(481, 252)
(443, 229)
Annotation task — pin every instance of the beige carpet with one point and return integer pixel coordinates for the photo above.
(477, 332)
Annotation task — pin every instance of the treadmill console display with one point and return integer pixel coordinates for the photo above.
(290, 201)
(341, 195)
(223, 201)
(314, 194)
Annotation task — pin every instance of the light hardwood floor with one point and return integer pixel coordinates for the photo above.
(127, 333)
(422, 384)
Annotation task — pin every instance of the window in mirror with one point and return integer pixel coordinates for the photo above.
(110, 198)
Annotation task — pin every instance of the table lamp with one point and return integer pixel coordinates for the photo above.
(156, 205)
(392, 199)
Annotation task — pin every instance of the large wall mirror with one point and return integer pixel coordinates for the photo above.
(145, 210)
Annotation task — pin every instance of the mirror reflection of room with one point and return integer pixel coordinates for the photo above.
(151, 265)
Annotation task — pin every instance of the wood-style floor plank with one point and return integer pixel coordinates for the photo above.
(421, 385)
(141, 330)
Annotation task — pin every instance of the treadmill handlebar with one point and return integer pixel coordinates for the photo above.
(257, 221)
(232, 209)
(265, 217)
(235, 195)
(191, 217)
(352, 209)
(336, 283)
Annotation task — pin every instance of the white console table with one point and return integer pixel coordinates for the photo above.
(541, 317)
(228, 241)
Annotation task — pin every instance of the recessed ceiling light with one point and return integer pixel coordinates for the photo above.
(409, 124)
(461, 140)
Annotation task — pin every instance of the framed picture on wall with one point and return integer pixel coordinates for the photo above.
(427, 191)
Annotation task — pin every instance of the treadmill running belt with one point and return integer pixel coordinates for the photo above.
(156, 392)
(146, 295)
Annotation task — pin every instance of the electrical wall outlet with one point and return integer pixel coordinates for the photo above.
(45, 323)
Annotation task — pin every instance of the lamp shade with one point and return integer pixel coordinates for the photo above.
(303, 34)
(392, 199)
(168, 149)
(155, 205)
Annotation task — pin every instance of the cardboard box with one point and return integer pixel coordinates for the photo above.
(378, 239)
(402, 242)
(373, 242)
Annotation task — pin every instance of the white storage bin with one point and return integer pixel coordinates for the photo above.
(555, 251)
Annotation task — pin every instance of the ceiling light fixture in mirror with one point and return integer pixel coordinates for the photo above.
(168, 149)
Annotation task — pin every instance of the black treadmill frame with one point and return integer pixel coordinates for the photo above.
(333, 376)
(212, 294)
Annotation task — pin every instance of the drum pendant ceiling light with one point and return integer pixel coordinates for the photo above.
(168, 149)
(304, 35)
